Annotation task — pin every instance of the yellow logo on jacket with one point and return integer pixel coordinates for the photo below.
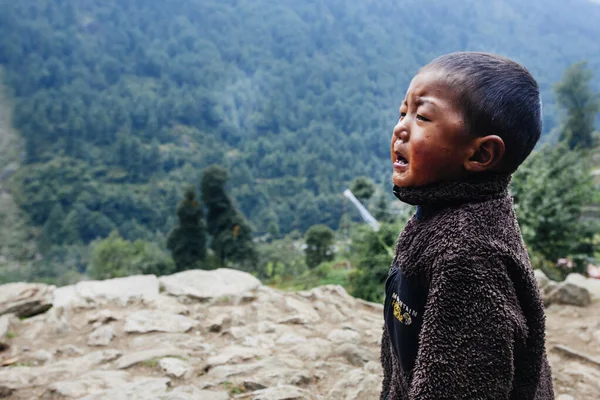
(403, 317)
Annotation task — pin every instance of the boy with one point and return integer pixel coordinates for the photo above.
(463, 315)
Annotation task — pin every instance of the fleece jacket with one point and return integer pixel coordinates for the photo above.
(463, 314)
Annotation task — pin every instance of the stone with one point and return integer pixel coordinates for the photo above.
(565, 397)
(354, 354)
(193, 393)
(284, 392)
(88, 383)
(290, 338)
(263, 341)
(140, 389)
(101, 336)
(251, 386)
(541, 278)
(313, 349)
(266, 327)
(175, 368)
(25, 299)
(70, 350)
(277, 370)
(55, 321)
(170, 304)
(15, 378)
(204, 285)
(100, 357)
(102, 317)
(294, 320)
(356, 385)
(571, 353)
(596, 335)
(42, 356)
(131, 359)
(373, 367)
(234, 354)
(301, 310)
(592, 285)
(300, 378)
(120, 290)
(56, 371)
(219, 323)
(239, 332)
(344, 336)
(222, 373)
(4, 324)
(568, 293)
(144, 321)
(5, 391)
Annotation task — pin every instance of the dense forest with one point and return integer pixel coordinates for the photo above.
(121, 104)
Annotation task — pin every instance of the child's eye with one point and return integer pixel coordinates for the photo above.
(422, 118)
(402, 115)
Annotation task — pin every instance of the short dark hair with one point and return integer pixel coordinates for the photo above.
(499, 97)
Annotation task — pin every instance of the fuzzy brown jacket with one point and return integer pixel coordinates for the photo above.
(480, 319)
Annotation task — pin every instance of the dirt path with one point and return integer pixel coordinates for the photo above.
(577, 329)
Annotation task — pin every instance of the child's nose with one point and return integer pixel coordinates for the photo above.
(401, 131)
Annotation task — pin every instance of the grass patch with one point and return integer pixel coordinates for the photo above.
(152, 363)
(333, 273)
(22, 364)
(11, 335)
(234, 389)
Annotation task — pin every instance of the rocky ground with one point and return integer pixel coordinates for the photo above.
(221, 335)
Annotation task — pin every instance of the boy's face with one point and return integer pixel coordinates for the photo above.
(429, 143)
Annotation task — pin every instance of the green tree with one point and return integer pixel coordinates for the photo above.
(52, 232)
(116, 257)
(187, 242)
(280, 259)
(581, 105)
(319, 242)
(231, 234)
(381, 210)
(372, 253)
(362, 188)
(551, 190)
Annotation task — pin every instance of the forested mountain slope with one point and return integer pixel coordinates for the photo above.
(121, 102)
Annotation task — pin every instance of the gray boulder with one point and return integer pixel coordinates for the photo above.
(121, 290)
(193, 393)
(141, 389)
(568, 293)
(101, 336)
(357, 384)
(175, 367)
(592, 285)
(25, 299)
(204, 285)
(131, 359)
(283, 392)
(88, 383)
(144, 321)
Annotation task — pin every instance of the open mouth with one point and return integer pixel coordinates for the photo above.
(400, 161)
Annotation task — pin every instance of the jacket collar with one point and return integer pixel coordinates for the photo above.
(474, 190)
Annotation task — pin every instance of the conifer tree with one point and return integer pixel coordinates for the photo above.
(187, 242)
(53, 232)
(231, 234)
(581, 104)
(381, 211)
(362, 188)
(319, 242)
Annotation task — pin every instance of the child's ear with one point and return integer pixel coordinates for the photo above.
(486, 153)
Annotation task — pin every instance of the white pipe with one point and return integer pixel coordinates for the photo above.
(364, 213)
